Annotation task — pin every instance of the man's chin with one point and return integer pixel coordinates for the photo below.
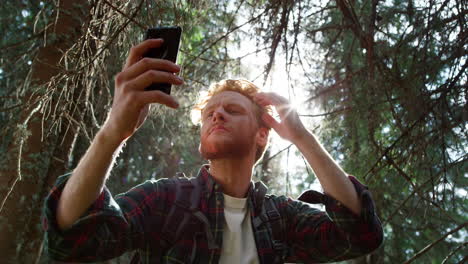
(225, 151)
(212, 154)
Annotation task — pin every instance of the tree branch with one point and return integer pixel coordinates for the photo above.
(428, 247)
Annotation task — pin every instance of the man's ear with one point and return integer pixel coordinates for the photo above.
(262, 136)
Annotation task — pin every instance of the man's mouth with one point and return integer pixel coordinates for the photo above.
(218, 128)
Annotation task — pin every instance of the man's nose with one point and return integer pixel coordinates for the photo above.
(218, 115)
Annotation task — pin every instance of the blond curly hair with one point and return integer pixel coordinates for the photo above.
(244, 87)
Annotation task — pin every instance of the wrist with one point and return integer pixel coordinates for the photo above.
(106, 138)
(303, 135)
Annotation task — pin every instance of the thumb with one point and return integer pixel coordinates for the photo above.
(143, 115)
(270, 121)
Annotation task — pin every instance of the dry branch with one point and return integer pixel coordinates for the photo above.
(431, 245)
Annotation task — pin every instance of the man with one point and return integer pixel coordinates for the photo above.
(239, 223)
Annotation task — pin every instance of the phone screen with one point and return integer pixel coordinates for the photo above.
(168, 50)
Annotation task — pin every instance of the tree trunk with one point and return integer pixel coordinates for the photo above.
(43, 155)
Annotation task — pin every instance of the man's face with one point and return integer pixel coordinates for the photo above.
(229, 127)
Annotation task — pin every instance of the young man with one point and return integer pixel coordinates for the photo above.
(233, 221)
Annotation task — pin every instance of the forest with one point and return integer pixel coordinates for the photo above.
(381, 83)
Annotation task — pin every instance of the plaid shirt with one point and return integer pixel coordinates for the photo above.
(133, 221)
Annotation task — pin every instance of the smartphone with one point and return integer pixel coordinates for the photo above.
(168, 50)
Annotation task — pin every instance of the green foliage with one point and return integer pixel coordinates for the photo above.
(402, 127)
(77, 99)
(390, 77)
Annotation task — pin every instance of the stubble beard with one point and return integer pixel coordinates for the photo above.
(225, 149)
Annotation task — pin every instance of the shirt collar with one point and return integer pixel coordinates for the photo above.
(256, 192)
(207, 180)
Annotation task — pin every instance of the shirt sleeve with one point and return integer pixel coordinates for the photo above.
(337, 234)
(109, 227)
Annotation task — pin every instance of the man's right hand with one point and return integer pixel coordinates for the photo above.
(131, 102)
(129, 110)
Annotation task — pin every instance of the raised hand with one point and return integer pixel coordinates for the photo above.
(131, 102)
(290, 127)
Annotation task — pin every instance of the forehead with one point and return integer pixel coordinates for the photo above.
(229, 97)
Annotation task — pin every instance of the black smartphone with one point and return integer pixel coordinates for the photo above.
(168, 50)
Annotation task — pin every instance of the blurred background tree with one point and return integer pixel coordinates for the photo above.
(388, 77)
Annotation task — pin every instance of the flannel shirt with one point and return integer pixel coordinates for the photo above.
(132, 221)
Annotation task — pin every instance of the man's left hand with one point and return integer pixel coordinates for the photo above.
(290, 127)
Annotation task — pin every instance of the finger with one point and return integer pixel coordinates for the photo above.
(150, 97)
(146, 64)
(280, 103)
(152, 76)
(262, 101)
(143, 115)
(137, 52)
(270, 121)
(277, 99)
(272, 98)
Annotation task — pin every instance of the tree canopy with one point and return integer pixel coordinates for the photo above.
(389, 78)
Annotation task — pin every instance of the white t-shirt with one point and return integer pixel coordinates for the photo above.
(238, 239)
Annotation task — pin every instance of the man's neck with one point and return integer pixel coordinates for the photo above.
(233, 175)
